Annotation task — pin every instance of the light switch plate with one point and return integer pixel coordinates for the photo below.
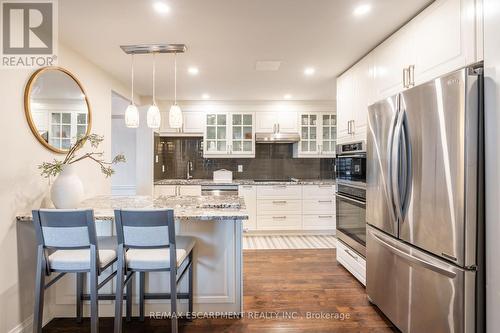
(240, 168)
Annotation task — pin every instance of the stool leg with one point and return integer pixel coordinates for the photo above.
(142, 287)
(94, 302)
(119, 292)
(190, 291)
(128, 302)
(39, 291)
(79, 296)
(173, 299)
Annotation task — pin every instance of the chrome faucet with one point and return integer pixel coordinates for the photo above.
(189, 169)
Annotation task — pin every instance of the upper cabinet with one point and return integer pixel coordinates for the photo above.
(192, 124)
(444, 37)
(439, 40)
(354, 94)
(277, 121)
(318, 134)
(229, 135)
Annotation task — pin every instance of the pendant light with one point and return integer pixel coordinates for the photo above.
(153, 115)
(131, 113)
(175, 114)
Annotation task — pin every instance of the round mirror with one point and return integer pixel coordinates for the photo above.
(57, 108)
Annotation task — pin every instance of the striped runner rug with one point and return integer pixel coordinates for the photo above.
(288, 242)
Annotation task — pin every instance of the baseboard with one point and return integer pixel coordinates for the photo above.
(288, 232)
(123, 190)
(27, 325)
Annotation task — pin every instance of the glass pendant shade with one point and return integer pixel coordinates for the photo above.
(175, 116)
(153, 117)
(132, 116)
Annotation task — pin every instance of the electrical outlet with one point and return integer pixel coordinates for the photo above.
(240, 168)
(163, 168)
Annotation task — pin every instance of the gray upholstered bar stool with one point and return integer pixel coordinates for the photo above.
(72, 234)
(147, 243)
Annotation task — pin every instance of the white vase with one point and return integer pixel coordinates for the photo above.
(67, 190)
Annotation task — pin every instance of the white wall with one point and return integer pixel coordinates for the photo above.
(492, 146)
(22, 188)
(123, 140)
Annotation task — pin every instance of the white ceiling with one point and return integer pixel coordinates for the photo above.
(227, 37)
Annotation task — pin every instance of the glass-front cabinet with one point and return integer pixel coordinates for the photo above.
(318, 133)
(328, 134)
(309, 134)
(229, 135)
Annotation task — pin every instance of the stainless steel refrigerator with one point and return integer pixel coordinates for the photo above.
(425, 205)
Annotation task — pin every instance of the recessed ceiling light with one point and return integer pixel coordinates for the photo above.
(161, 7)
(205, 96)
(309, 71)
(287, 96)
(362, 9)
(193, 70)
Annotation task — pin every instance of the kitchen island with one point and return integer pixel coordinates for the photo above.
(215, 222)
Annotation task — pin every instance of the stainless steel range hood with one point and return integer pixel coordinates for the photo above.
(277, 137)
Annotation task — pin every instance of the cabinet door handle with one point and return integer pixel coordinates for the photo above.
(279, 201)
(349, 127)
(406, 77)
(279, 186)
(352, 127)
(278, 127)
(411, 76)
(325, 201)
(274, 128)
(351, 255)
(325, 216)
(279, 217)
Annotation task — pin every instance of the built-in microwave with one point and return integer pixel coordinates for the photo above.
(350, 164)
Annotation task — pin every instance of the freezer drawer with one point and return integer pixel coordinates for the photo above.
(417, 291)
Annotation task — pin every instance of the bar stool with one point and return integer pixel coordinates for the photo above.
(147, 243)
(71, 233)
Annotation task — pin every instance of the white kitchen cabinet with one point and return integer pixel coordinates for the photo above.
(165, 190)
(249, 194)
(318, 207)
(192, 124)
(279, 121)
(318, 135)
(175, 190)
(391, 61)
(242, 135)
(354, 94)
(352, 261)
(229, 135)
(309, 130)
(189, 190)
(445, 38)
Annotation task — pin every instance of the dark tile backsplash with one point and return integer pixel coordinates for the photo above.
(272, 161)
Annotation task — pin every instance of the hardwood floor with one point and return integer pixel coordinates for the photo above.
(288, 284)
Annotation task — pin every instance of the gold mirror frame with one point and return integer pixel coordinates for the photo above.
(27, 105)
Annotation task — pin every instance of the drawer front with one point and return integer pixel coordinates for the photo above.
(190, 190)
(165, 190)
(279, 222)
(352, 261)
(279, 191)
(318, 206)
(318, 222)
(318, 191)
(248, 193)
(279, 206)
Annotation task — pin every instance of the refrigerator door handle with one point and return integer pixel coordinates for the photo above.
(395, 158)
(408, 257)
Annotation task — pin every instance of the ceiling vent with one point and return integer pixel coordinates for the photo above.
(267, 66)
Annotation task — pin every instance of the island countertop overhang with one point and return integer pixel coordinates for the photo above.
(186, 208)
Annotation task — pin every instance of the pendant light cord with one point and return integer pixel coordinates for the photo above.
(154, 74)
(132, 77)
(175, 78)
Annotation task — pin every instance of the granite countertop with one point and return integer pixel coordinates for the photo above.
(192, 208)
(243, 182)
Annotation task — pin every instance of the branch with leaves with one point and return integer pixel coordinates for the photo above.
(48, 169)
